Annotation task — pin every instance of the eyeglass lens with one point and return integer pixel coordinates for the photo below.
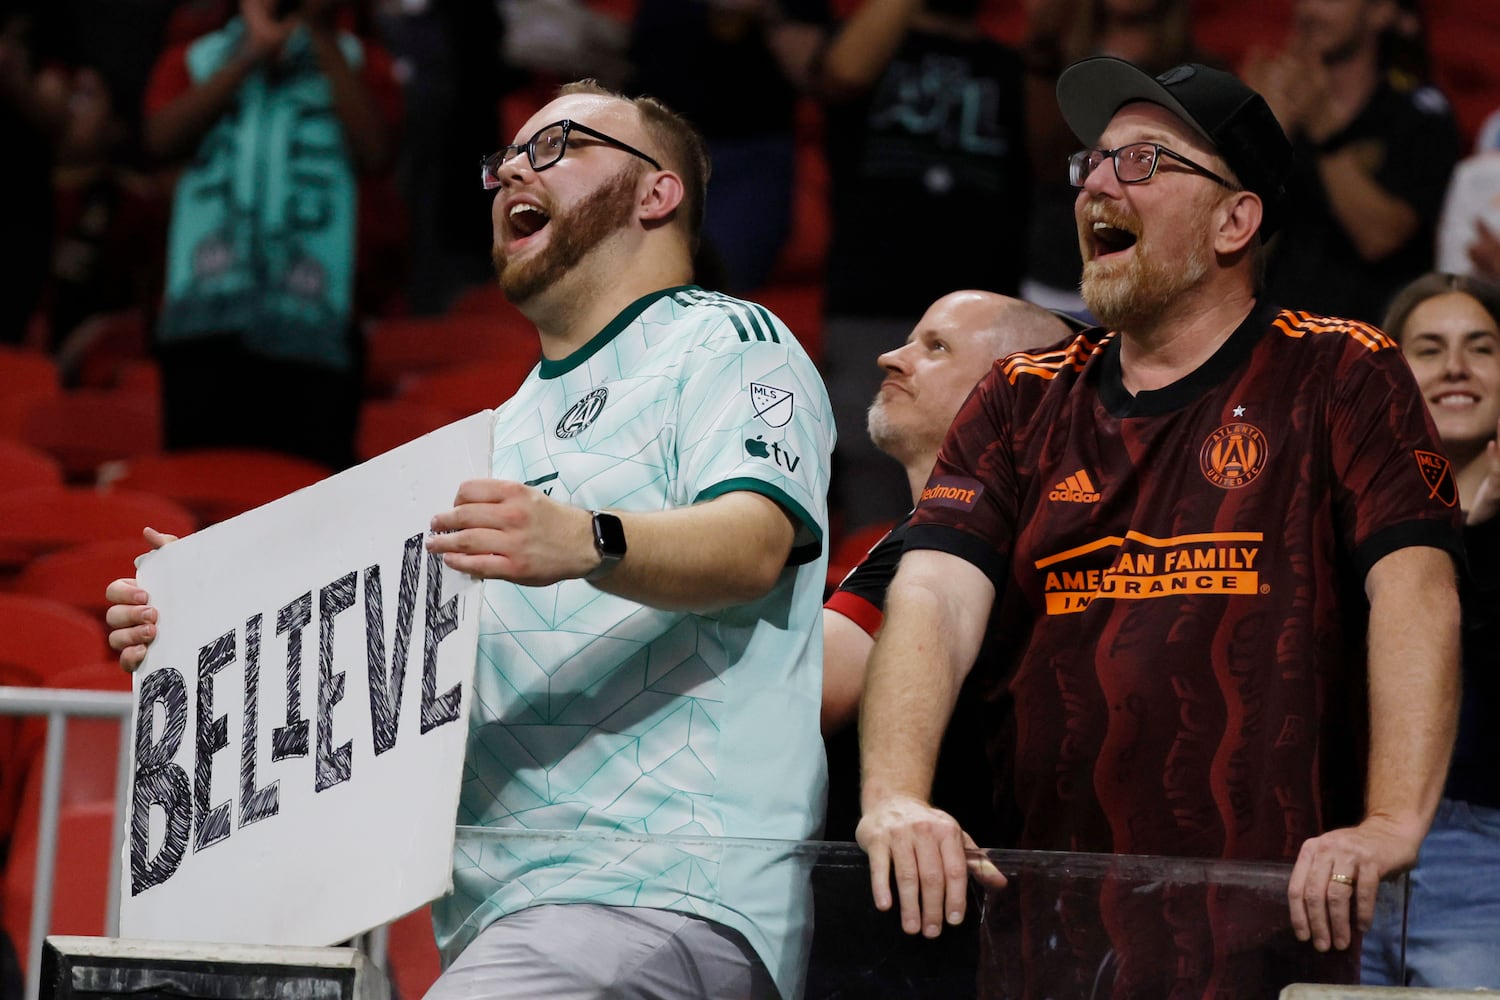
(542, 150)
(1133, 163)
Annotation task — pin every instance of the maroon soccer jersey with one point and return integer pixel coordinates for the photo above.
(1182, 571)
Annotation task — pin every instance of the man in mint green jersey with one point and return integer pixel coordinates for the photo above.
(652, 537)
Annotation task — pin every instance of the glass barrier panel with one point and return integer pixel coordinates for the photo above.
(1052, 926)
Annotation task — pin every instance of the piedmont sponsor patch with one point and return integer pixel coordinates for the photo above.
(958, 492)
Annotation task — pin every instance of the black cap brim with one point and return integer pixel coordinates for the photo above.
(1090, 92)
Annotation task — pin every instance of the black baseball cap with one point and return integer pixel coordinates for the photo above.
(1218, 106)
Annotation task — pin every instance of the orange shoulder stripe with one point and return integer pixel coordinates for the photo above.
(1299, 324)
(1049, 364)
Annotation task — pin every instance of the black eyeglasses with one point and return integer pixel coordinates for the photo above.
(547, 147)
(1135, 163)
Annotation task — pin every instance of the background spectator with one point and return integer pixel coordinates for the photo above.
(1449, 330)
(453, 81)
(1374, 154)
(33, 101)
(272, 116)
(735, 68)
(1468, 232)
(931, 189)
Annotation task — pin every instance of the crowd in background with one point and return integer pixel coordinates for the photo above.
(935, 122)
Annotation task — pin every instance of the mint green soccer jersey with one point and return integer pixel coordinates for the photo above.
(592, 713)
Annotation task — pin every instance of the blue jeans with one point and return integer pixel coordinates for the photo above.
(1453, 920)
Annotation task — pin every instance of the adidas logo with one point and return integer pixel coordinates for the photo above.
(1077, 488)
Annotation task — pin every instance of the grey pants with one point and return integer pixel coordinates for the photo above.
(581, 951)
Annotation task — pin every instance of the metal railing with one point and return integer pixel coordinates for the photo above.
(1157, 902)
(58, 707)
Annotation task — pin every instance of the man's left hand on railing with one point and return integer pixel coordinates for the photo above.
(924, 850)
(1337, 876)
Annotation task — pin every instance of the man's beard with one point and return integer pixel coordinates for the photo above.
(572, 234)
(1137, 293)
(889, 436)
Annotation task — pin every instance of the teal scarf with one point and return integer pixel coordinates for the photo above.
(262, 236)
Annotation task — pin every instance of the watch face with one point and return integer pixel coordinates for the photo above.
(609, 535)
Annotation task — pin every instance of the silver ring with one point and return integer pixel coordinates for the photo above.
(1341, 879)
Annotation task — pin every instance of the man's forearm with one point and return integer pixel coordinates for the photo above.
(364, 128)
(711, 555)
(1414, 685)
(932, 633)
(1377, 222)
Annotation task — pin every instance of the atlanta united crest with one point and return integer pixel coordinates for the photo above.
(581, 414)
(1233, 456)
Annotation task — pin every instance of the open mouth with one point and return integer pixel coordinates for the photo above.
(1110, 239)
(525, 219)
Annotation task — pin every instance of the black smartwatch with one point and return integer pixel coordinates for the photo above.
(609, 542)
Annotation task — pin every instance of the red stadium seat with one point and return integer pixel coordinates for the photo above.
(387, 423)
(412, 955)
(29, 378)
(43, 519)
(80, 888)
(467, 389)
(401, 346)
(21, 466)
(46, 636)
(88, 427)
(86, 817)
(20, 366)
(19, 738)
(219, 483)
(78, 574)
(98, 351)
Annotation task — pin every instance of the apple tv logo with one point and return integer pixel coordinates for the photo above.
(776, 452)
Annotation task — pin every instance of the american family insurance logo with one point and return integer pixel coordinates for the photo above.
(1210, 563)
(952, 491)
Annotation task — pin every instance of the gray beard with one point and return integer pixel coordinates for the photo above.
(1141, 293)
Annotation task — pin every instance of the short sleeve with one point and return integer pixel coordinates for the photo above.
(754, 415)
(860, 596)
(968, 507)
(1396, 486)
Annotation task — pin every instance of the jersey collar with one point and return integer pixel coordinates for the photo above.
(1153, 402)
(553, 369)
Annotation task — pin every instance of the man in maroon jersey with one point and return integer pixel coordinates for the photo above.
(1221, 537)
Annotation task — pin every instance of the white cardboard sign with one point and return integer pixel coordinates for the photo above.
(301, 718)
